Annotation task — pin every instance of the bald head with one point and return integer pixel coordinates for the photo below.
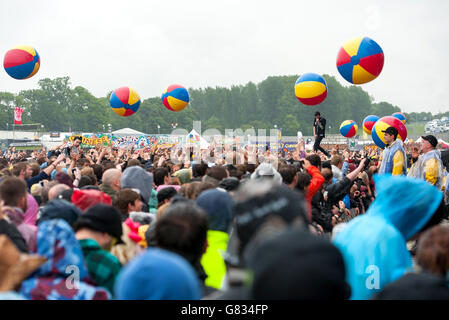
(111, 178)
(56, 190)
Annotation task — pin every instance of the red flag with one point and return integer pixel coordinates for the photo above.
(18, 115)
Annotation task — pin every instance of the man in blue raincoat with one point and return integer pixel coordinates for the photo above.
(374, 244)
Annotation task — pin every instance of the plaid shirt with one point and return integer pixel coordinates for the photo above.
(103, 266)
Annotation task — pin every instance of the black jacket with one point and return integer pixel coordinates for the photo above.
(320, 127)
(337, 191)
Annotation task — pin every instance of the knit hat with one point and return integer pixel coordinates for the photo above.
(60, 209)
(158, 274)
(84, 199)
(102, 218)
(297, 265)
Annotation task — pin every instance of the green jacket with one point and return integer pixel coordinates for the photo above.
(103, 266)
(212, 260)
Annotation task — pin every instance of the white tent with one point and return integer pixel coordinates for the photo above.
(128, 131)
(194, 138)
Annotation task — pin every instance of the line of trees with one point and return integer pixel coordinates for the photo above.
(271, 102)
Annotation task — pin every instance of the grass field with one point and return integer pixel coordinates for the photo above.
(415, 128)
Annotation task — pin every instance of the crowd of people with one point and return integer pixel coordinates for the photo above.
(224, 223)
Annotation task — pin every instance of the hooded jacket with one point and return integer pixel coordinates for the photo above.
(218, 206)
(137, 178)
(64, 275)
(374, 244)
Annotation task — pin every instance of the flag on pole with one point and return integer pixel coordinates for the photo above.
(18, 115)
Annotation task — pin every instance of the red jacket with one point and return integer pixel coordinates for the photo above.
(315, 185)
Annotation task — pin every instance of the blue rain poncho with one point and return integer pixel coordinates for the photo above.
(374, 244)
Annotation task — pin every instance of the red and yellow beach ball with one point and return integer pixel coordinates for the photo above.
(348, 128)
(22, 62)
(124, 101)
(311, 89)
(175, 97)
(400, 116)
(360, 60)
(382, 124)
(369, 122)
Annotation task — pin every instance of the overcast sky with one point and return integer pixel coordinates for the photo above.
(148, 45)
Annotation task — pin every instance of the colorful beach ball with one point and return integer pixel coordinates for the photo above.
(175, 97)
(360, 60)
(382, 124)
(125, 101)
(311, 89)
(22, 62)
(400, 116)
(348, 128)
(368, 123)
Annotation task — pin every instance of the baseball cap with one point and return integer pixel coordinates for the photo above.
(431, 139)
(391, 131)
(102, 218)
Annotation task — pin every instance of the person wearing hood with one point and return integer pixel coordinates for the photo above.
(60, 209)
(158, 274)
(138, 178)
(374, 244)
(84, 199)
(184, 175)
(13, 191)
(32, 210)
(64, 276)
(218, 206)
(393, 156)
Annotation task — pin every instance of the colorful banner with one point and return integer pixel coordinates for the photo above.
(92, 140)
(127, 142)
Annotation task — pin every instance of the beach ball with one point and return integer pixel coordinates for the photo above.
(382, 124)
(369, 122)
(348, 128)
(175, 97)
(360, 60)
(311, 89)
(400, 116)
(124, 101)
(22, 62)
